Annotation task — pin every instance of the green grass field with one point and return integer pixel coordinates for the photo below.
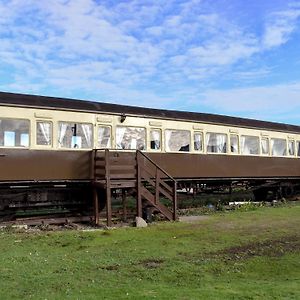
(236, 255)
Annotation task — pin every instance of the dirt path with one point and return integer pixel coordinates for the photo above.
(192, 219)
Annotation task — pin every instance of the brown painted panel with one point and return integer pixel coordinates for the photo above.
(180, 165)
(21, 164)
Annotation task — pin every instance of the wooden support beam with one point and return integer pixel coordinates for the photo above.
(108, 207)
(124, 203)
(175, 202)
(96, 206)
(108, 190)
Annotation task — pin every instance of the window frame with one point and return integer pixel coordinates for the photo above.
(52, 133)
(269, 146)
(161, 139)
(177, 151)
(97, 132)
(259, 145)
(297, 146)
(238, 144)
(202, 141)
(74, 122)
(132, 126)
(217, 153)
(29, 134)
(286, 147)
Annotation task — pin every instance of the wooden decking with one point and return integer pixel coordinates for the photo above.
(133, 170)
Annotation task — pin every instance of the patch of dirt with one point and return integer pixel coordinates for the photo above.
(151, 263)
(110, 267)
(271, 248)
(192, 219)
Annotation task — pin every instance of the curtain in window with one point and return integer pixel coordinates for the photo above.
(278, 147)
(104, 137)
(133, 144)
(45, 129)
(216, 142)
(62, 133)
(249, 144)
(168, 134)
(245, 146)
(234, 144)
(87, 131)
(265, 146)
(291, 148)
(120, 131)
(198, 141)
(221, 143)
(155, 139)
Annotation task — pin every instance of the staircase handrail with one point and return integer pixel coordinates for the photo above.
(156, 165)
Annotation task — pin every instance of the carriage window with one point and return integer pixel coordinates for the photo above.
(298, 149)
(216, 142)
(75, 135)
(130, 138)
(291, 148)
(155, 139)
(249, 144)
(104, 137)
(44, 133)
(198, 141)
(177, 140)
(278, 147)
(14, 133)
(265, 148)
(234, 143)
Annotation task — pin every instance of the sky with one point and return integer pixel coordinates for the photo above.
(232, 57)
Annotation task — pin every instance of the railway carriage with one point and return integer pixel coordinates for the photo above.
(47, 149)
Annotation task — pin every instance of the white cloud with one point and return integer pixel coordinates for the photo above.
(280, 27)
(267, 101)
(137, 51)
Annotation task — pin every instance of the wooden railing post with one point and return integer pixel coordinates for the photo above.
(175, 201)
(139, 182)
(108, 189)
(93, 169)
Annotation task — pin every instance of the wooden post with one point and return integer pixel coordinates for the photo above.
(108, 205)
(138, 187)
(124, 205)
(230, 191)
(96, 206)
(108, 190)
(175, 201)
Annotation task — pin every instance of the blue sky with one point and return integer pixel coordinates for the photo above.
(234, 57)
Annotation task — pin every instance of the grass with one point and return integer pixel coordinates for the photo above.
(235, 255)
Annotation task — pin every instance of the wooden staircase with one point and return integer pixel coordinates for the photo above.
(124, 170)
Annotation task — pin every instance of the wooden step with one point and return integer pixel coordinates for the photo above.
(151, 198)
(123, 183)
